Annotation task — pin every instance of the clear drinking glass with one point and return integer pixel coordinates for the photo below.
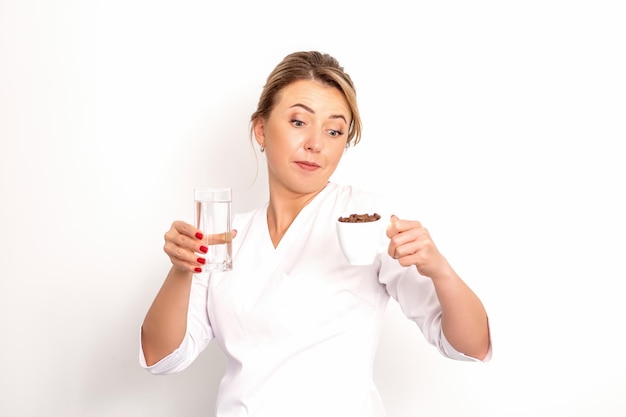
(213, 218)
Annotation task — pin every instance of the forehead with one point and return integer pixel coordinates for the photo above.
(315, 95)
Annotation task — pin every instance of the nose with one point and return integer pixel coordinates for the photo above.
(313, 143)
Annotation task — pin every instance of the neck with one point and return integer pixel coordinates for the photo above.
(282, 211)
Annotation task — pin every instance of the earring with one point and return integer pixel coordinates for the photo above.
(262, 148)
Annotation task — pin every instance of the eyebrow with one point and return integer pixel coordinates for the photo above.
(310, 110)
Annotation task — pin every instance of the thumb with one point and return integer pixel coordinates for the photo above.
(391, 229)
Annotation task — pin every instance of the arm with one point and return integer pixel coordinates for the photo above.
(464, 319)
(165, 324)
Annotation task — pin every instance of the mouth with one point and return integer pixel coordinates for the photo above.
(307, 166)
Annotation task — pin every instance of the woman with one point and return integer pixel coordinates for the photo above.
(298, 324)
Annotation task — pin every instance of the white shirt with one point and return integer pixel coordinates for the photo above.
(299, 325)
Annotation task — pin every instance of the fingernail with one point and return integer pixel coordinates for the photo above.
(201, 261)
(198, 269)
(204, 249)
(199, 235)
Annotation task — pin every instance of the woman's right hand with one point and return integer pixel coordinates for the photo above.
(185, 245)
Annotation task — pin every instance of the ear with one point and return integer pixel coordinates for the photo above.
(258, 128)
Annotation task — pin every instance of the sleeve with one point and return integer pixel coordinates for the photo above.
(418, 301)
(416, 294)
(199, 333)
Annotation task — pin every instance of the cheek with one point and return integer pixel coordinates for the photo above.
(277, 155)
(271, 156)
(336, 154)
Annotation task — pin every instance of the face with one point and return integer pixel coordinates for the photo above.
(304, 137)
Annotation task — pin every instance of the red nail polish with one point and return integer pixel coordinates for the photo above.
(201, 261)
(199, 235)
(204, 249)
(198, 269)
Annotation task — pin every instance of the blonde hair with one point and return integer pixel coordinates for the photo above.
(311, 65)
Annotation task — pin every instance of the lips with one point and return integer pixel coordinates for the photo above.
(307, 166)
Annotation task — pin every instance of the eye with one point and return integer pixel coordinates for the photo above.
(297, 123)
(335, 133)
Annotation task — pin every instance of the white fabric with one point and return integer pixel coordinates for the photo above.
(299, 326)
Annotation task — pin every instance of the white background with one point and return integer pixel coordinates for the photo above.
(502, 122)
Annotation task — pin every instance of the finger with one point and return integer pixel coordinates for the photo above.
(422, 253)
(187, 229)
(391, 251)
(185, 253)
(392, 228)
(411, 237)
(397, 225)
(407, 249)
(182, 257)
(220, 238)
(188, 267)
(174, 237)
(408, 242)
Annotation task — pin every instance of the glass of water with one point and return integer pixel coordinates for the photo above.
(213, 218)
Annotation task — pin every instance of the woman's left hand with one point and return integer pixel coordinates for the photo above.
(411, 244)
